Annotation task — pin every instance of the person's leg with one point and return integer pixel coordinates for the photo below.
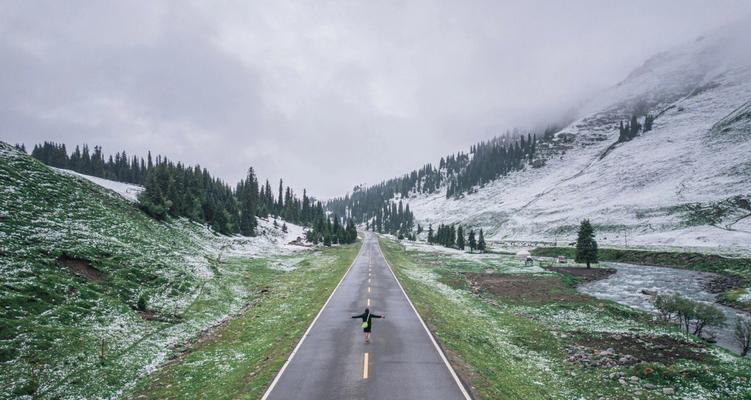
(367, 336)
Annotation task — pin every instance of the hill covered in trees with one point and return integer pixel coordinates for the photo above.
(173, 189)
(380, 206)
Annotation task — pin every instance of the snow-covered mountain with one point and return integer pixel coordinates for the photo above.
(686, 183)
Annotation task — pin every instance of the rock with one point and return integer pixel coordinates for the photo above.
(668, 391)
(622, 382)
(606, 353)
(634, 379)
(627, 360)
(649, 386)
(649, 292)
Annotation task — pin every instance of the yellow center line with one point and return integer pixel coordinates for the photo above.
(365, 366)
(368, 289)
(368, 302)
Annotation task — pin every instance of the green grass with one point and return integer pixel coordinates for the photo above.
(734, 298)
(67, 336)
(239, 359)
(53, 322)
(518, 350)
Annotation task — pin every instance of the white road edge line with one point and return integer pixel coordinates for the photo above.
(292, 355)
(430, 335)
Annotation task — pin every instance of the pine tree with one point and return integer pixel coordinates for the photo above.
(634, 127)
(471, 240)
(648, 121)
(431, 239)
(481, 242)
(460, 238)
(248, 194)
(586, 245)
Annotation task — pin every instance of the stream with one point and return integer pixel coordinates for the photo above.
(626, 285)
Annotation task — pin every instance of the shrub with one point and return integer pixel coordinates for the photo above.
(707, 315)
(743, 334)
(142, 302)
(685, 312)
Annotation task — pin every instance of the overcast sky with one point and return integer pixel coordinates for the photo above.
(324, 94)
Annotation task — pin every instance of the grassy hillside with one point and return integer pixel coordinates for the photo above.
(239, 360)
(96, 294)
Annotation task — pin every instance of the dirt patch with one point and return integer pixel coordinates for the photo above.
(525, 288)
(636, 348)
(149, 315)
(584, 274)
(81, 267)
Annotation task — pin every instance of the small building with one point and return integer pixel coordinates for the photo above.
(522, 255)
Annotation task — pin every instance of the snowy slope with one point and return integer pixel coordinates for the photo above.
(128, 190)
(270, 240)
(638, 192)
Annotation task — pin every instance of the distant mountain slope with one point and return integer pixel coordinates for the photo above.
(687, 182)
(82, 267)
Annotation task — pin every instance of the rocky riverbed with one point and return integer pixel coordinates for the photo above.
(635, 286)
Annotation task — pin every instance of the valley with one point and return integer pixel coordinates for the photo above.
(586, 234)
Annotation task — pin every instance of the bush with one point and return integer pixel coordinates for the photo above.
(707, 315)
(142, 302)
(685, 312)
(155, 210)
(743, 333)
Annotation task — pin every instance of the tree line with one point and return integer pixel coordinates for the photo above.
(459, 173)
(491, 160)
(453, 236)
(393, 218)
(118, 167)
(172, 189)
(632, 128)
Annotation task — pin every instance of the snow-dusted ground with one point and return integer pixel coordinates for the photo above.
(269, 242)
(127, 190)
(699, 151)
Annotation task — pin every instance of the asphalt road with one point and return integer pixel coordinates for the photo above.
(401, 361)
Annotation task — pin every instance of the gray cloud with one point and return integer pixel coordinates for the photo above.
(324, 94)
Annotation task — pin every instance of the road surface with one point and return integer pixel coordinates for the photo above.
(400, 362)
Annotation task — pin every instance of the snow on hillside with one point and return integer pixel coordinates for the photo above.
(638, 192)
(128, 190)
(270, 240)
(55, 227)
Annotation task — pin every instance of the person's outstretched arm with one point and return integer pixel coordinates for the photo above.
(378, 316)
(358, 316)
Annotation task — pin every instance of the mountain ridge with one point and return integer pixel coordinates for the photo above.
(685, 183)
